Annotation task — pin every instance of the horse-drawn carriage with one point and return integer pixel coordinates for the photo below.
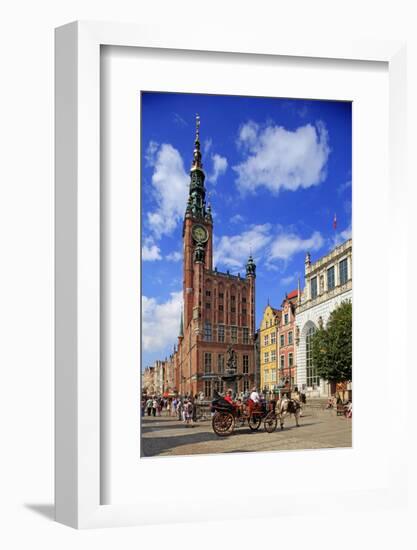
(228, 416)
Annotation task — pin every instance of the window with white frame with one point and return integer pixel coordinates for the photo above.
(266, 339)
(273, 356)
(266, 357)
(245, 335)
(234, 335)
(273, 338)
(220, 333)
(290, 338)
(282, 362)
(282, 340)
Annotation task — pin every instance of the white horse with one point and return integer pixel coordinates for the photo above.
(288, 406)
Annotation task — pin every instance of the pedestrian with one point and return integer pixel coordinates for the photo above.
(179, 409)
(195, 408)
(154, 406)
(168, 407)
(149, 403)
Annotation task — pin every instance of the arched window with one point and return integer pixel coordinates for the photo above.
(312, 379)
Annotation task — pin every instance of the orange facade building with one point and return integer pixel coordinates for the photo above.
(218, 308)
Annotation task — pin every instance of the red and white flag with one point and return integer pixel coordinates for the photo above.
(334, 222)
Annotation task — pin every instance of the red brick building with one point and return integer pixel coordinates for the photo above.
(219, 308)
(286, 338)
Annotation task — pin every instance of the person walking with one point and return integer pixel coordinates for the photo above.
(179, 409)
(149, 406)
(154, 406)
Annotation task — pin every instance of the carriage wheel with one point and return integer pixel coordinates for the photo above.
(270, 422)
(223, 423)
(254, 421)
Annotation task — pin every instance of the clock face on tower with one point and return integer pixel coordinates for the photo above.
(199, 233)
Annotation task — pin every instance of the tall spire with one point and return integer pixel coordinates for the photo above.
(197, 152)
(196, 205)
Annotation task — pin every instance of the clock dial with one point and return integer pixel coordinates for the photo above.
(200, 233)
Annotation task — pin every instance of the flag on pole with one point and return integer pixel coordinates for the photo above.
(334, 221)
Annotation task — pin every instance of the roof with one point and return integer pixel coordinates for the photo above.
(292, 294)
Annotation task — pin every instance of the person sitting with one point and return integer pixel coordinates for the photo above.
(229, 397)
(254, 396)
(254, 400)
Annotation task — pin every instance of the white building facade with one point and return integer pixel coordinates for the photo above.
(328, 282)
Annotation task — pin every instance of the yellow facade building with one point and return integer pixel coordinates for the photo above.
(269, 348)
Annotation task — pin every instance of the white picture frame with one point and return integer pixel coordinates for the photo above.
(78, 405)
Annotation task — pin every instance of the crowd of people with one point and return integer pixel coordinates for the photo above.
(184, 408)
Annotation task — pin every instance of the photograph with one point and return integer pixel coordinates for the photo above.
(246, 274)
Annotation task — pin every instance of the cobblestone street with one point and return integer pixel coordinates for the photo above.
(164, 436)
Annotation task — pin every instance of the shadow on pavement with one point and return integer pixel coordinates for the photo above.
(156, 445)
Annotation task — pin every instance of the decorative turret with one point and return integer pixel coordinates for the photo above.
(250, 267)
(307, 261)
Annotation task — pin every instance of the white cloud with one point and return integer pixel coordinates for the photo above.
(160, 322)
(179, 120)
(237, 218)
(287, 244)
(170, 188)
(248, 134)
(342, 236)
(150, 253)
(233, 251)
(344, 186)
(207, 145)
(282, 159)
(287, 280)
(174, 256)
(150, 155)
(219, 167)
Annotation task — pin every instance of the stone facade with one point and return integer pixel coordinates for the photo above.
(328, 282)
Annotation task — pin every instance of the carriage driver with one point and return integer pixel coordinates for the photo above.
(254, 396)
(253, 400)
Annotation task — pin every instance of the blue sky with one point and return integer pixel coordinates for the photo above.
(277, 171)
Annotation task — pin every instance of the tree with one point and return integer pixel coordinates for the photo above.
(332, 346)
